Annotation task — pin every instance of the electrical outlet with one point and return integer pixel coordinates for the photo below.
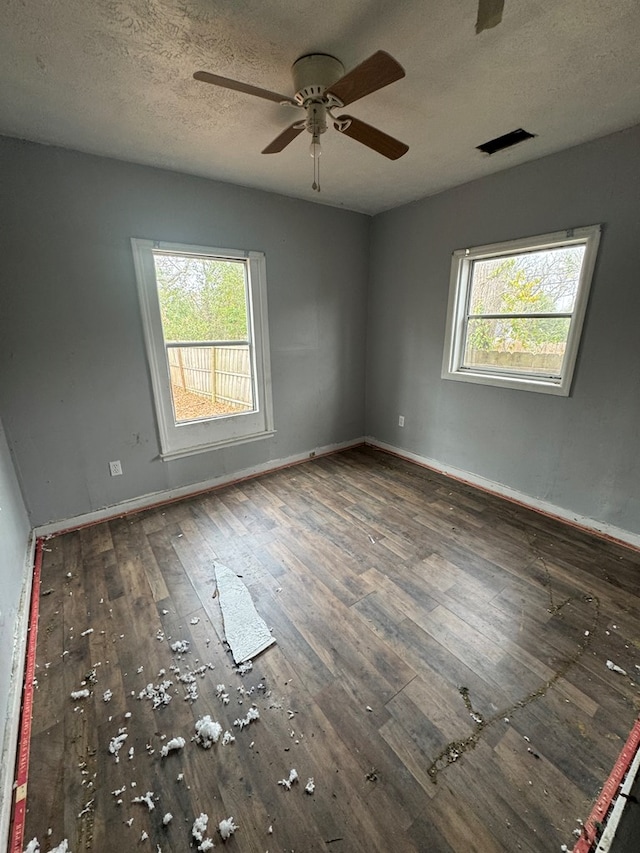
(115, 468)
(401, 420)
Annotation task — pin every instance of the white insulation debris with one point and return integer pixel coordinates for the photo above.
(147, 800)
(34, 846)
(180, 647)
(208, 731)
(80, 694)
(198, 831)
(159, 695)
(107, 695)
(226, 828)
(115, 744)
(200, 826)
(252, 714)
(610, 665)
(310, 786)
(287, 783)
(166, 820)
(171, 745)
(227, 738)
(245, 630)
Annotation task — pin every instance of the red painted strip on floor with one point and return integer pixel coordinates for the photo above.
(610, 788)
(24, 740)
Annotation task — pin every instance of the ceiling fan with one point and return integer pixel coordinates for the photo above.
(321, 88)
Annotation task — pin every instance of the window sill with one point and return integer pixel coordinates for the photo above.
(521, 383)
(170, 455)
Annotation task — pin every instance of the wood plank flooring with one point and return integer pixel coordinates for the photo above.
(440, 669)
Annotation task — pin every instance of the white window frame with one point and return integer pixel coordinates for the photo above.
(186, 439)
(457, 312)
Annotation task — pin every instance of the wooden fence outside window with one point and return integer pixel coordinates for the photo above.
(221, 372)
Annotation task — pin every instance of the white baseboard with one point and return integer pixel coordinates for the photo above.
(607, 531)
(168, 495)
(619, 805)
(10, 735)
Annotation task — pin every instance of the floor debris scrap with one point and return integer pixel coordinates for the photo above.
(245, 630)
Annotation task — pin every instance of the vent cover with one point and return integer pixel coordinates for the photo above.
(506, 141)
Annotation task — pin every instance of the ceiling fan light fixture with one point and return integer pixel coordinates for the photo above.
(313, 74)
(322, 86)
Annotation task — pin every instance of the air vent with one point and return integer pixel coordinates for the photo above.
(506, 141)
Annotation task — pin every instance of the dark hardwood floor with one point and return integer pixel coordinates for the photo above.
(440, 669)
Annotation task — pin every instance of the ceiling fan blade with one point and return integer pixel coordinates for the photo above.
(373, 138)
(237, 86)
(287, 136)
(489, 14)
(374, 73)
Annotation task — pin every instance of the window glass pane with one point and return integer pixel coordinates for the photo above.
(527, 345)
(544, 281)
(203, 301)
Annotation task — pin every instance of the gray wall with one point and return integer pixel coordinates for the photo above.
(14, 535)
(579, 453)
(74, 385)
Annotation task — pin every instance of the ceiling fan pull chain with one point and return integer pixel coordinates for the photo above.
(316, 174)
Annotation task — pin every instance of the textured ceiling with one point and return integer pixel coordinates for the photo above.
(115, 78)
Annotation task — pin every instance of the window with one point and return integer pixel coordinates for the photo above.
(516, 310)
(204, 313)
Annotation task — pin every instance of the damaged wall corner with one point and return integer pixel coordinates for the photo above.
(15, 564)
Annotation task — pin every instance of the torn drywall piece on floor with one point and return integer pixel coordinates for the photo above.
(245, 630)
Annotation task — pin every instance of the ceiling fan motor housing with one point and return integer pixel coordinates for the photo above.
(313, 74)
